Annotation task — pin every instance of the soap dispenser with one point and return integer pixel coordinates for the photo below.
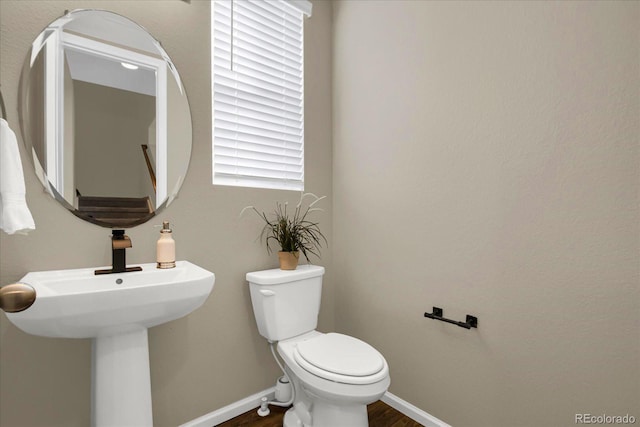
(166, 248)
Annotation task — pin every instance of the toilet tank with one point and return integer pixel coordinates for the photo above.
(286, 303)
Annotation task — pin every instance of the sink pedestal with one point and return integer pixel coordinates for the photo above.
(121, 380)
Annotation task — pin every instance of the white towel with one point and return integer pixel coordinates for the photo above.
(15, 216)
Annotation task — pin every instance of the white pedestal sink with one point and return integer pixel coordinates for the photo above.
(115, 310)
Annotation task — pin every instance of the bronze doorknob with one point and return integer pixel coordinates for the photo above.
(16, 297)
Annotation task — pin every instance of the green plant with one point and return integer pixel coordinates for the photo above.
(292, 231)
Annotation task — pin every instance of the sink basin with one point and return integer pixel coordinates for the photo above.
(114, 310)
(79, 304)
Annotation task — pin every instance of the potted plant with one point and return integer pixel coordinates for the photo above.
(293, 231)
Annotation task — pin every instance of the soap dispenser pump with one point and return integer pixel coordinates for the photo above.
(166, 248)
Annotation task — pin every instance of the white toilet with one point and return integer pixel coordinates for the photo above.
(334, 376)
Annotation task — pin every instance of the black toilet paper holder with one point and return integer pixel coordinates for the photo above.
(438, 313)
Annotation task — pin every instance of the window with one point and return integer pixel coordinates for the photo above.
(258, 96)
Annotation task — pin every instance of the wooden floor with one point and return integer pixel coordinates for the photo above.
(380, 415)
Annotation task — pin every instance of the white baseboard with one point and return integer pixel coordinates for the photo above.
(412, 411)
(231, 411)
(252, 402)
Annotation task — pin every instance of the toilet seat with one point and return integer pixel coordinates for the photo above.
(341, 358)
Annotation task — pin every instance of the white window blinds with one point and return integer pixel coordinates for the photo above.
(258, 114)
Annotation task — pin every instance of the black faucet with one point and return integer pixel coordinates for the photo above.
(119, 244)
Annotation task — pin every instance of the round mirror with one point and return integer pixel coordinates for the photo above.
(105, 118)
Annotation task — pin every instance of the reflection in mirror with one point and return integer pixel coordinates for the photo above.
(105, 117)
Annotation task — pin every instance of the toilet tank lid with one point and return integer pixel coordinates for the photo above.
(277, 276)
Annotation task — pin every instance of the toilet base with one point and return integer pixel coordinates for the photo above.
(327, 415)
(291, 419)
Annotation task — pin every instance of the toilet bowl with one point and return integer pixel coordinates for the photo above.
(334, 387)
(334, 376)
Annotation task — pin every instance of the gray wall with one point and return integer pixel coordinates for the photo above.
(215, 356)
(486, 162)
